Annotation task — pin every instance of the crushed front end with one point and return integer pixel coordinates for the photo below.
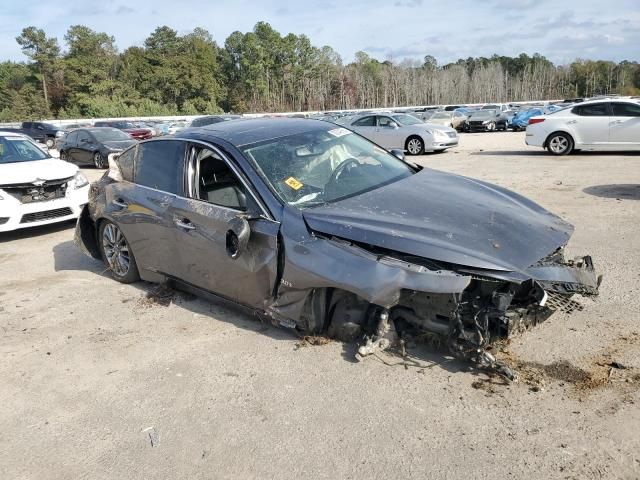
(494, 306)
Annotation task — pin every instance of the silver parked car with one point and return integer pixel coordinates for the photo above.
(402, 131)
(451, 119)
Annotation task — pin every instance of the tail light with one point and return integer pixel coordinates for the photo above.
(533, 121)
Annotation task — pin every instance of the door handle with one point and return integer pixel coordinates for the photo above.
(186, 224)
(119, 203)
(616, 122)
(571, 122)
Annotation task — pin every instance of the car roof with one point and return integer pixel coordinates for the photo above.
(613, 99)
(10, 134)
(249, 131)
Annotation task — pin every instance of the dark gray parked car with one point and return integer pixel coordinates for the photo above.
(211, 119)
(322, 231)
(93, 145)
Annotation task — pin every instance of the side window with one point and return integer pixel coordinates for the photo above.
(125, 162)
(160, 165)
(365, 122)
(83, 137)
(72, 138)
(594, 110)
(625, 110)
(215, 182)
(27, 125)
(384, 121)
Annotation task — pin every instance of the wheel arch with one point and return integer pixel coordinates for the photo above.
(546, 140)
(419, 137)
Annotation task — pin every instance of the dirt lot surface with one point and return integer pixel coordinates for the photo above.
(99, 381)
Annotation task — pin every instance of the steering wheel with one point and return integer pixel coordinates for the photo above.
(336, 173)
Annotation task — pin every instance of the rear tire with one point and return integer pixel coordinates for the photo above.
(63, 156)
(415, 146)
(116, 253)
(50, 142)
(559, 144)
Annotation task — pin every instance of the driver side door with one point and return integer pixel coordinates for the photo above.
(217, 194)
(388, 134)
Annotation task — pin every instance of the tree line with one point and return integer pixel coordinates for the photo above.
(264, 71)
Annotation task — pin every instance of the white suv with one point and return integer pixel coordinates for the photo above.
(36, 189)
(612, 125)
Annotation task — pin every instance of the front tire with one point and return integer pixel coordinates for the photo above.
(64, 156)
(50, 142)
(99, 161)
(415, 146)
(491, 126)
(559, 144)
(116, 253)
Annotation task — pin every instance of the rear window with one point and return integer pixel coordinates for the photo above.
(160, 165)
(125, 162)
(365, 122)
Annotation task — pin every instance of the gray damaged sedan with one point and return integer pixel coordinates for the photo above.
(318, 229)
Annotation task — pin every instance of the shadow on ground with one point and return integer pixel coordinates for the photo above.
(31, 232)
(421, 357)
(619, 191)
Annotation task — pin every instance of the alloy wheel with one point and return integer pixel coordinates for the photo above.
(116, 250)
(559, 144)
(414, 146)
(98, 160)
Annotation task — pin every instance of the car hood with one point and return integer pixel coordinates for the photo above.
(490, 115)
(448, 218)
(119, 144)
(440, 121)
(29, 172)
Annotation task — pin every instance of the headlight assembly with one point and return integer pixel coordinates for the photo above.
(79, 181)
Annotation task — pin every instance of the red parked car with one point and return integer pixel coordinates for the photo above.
(130, 128)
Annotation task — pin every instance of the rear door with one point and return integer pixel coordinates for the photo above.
(70, 143)
(591, 123)
(366, 126)
(624, 128)
(142, 207)
(217, 194)
(83, 150)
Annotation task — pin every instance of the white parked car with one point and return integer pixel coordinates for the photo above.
(36, 189)
(612, 125)
(402, 131)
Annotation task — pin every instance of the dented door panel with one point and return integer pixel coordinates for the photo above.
(205, 262)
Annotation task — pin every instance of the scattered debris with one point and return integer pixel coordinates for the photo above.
(313, 340)
(154, 436)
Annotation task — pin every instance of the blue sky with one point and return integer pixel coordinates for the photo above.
(562, 30)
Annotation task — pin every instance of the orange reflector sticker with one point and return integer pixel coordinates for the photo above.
(294, 183)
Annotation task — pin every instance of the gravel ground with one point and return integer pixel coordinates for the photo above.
(99, 381)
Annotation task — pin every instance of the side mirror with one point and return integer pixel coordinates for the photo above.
(237, 237)
(396, 152)
(393, 125)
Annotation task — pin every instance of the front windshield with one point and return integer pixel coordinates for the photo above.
(19, 149)
(323, 166)
(440, 115)
(405, 119)
(110, 135)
